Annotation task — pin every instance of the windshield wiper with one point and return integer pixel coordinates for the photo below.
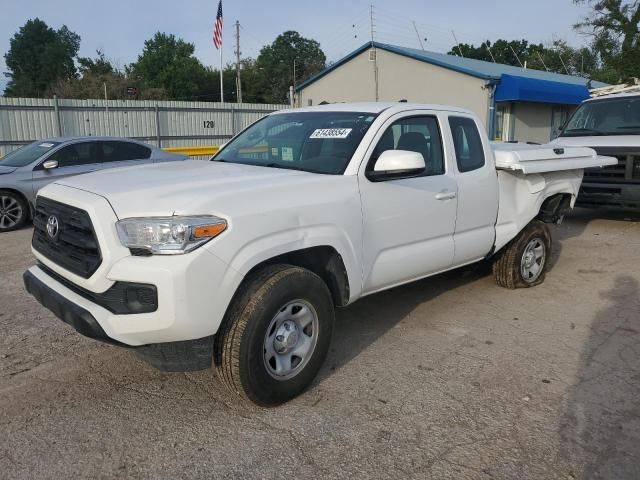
(567, 133)
(280, 165)
(629, 127)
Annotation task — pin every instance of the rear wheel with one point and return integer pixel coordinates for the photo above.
(275, 335)
(524, 261)
(14, 211)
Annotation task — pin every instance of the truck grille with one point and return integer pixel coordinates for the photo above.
(626, 171)
(71, 243)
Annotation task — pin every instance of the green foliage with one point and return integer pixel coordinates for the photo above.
(613, 26)
(558, 57)
(38, 57)
(275, 64)
(168, 63)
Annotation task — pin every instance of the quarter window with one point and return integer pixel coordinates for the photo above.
(467, 143)
(415, 134)
(120, 151)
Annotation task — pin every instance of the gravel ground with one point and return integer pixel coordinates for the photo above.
(450, 377)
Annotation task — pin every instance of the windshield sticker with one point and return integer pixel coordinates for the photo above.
(331, 133)
(274, 151)
(46, 145)
(287, 154)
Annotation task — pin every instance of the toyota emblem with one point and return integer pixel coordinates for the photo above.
(53, 228)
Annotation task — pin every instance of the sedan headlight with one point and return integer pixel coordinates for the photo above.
(169, 235)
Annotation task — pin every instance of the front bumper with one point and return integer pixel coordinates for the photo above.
(65, 309)
(193, 292)
(609, 195)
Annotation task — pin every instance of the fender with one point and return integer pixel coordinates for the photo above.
(261, 249)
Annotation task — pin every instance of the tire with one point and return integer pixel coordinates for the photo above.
(278, 312)
(515, 265)
(14, 211)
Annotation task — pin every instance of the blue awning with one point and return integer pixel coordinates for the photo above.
(512, 89)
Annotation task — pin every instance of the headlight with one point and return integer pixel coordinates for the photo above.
(169, 235)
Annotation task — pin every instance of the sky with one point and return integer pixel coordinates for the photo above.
(120, 27)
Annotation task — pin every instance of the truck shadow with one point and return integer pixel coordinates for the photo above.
(362, 323)
(600, 428)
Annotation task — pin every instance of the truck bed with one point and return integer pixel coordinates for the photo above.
(529, 159)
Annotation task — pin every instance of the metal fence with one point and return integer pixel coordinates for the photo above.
(164, 123)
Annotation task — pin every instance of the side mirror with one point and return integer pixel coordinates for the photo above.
(398, 163)
(50, 164)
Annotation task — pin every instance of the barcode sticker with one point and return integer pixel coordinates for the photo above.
(331, 133)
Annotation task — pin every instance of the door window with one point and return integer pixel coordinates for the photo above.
(415, 134)
(76, 154)
(121, 151)
(467, 143)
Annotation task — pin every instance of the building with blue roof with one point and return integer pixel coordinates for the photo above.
(515, 103)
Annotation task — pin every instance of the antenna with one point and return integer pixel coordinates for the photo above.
(563, 65)
(375, 54)
(457, 43)
(543, 64)
(486, 44)
(237, 52)
(516, 55)
(418, 35)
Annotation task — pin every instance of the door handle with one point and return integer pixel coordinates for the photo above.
(445, 195)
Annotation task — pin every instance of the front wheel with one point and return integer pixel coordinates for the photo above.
(275, 335)
(14, 211)
(524, 261)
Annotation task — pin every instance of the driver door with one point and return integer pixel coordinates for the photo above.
(408, 222)
(74, 159)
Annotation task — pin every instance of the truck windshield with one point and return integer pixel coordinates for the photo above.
(318, 142)
(27, 154)
(619, 116)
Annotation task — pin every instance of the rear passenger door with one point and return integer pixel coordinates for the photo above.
(73, 159)
(123, 154)
(478, 193)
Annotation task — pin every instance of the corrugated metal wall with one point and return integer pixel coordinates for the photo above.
(168, 123)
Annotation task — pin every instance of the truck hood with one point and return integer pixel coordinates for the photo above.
(600, 141)
(194, 187)
(4, 170)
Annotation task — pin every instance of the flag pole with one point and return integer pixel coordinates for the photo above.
(221, 83)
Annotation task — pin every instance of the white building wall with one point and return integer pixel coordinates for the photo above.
(399, 77)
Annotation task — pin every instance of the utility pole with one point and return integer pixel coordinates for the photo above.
(374, 53)
(237, 52)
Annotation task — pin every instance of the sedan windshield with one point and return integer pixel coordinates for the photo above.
(27, 154)
(318, 142)
(619, 116)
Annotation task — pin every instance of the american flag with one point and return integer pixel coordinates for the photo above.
(217, 31)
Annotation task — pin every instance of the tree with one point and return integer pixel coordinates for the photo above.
(38, 57)
(96, 66)
(613, 26)
(275, 65)
(558, 57)
(168, 63)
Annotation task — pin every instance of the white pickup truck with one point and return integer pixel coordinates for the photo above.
(240, 261)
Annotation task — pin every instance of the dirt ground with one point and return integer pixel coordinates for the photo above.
(450, 377)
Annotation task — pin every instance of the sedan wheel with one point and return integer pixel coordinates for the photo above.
(13, 211)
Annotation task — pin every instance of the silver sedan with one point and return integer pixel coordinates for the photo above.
(25, 171)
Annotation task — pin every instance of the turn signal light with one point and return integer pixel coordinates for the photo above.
(206, 231)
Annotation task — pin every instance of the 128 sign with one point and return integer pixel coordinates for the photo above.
(209, 124)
